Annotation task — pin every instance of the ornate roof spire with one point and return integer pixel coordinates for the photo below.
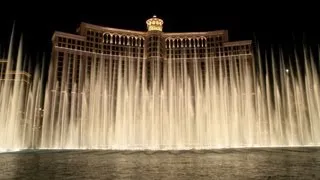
(154, 24)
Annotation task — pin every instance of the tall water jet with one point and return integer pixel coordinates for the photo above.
(155, 90)
(20, 100)
(148, 95)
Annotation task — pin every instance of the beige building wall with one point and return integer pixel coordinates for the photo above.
(75, 55)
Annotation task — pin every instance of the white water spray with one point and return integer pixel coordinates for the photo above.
(184, 109)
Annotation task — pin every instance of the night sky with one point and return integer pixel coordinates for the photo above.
(38, 26)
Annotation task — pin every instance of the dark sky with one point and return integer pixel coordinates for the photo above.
(38, 26)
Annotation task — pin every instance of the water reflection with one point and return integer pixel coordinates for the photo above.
(223, 164)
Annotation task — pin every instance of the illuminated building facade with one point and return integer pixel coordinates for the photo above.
(11, 80)
(75, 55)
(13, 75)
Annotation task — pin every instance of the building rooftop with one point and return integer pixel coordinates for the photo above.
(109, 29)
(154, 24)
(13, 72)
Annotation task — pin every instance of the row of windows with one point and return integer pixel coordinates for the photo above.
(89, 61)
(154, 44)
(111, 41)
(216, 48)
(185, 46)
(108, 49)
(172, 53)
(112, 47)
(172, 56)
(193, 42)
(77, 44)
(91, 46)
(100, 34)
(92, 33)
(238, 49)
(74, 61)
(203, 55)
(71, 46)
(63, 40)
(123, 40)
(216, 45)
(208, 53)
(97, 37)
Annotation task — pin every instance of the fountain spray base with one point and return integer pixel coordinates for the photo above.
(164, 149)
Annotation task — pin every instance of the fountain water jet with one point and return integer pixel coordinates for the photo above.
(183, 109)
(251, 107)
(20, 100)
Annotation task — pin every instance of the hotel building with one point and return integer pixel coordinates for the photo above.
(12, 75)
(74, 56)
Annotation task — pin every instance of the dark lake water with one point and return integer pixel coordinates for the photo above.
(268, 163)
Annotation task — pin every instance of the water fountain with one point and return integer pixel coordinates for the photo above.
(246, 109)
(251, 108)
(20, 100)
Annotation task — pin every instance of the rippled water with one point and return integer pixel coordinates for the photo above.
(271, 163)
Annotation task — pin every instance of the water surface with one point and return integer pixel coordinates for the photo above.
(268, 163)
